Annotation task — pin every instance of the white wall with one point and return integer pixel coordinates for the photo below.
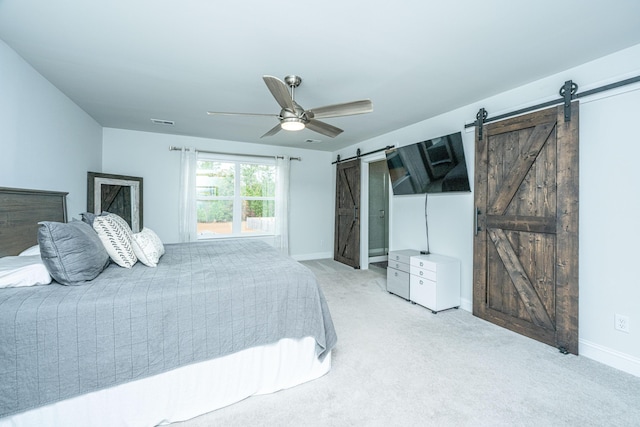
(147, 155)
(609, 232)
(46, 141)
(609, 199)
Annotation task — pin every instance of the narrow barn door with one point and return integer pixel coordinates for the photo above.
(347, 226)
(526, 244)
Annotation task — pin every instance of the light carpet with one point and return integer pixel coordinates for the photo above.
(397, 364)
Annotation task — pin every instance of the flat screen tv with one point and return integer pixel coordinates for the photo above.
(433, 166)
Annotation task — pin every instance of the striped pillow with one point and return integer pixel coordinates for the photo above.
(115, 235)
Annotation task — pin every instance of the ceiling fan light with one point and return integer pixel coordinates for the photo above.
(292, 124)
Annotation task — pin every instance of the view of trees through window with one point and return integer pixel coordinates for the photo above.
(234, 198)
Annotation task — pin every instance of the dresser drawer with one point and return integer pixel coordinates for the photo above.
(401, 266)
(422, 262)
(398, 282)
(399, 256)
(423, 273)
(423, 292)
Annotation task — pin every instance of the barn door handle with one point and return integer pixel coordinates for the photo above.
(477, 225)
(355, 213)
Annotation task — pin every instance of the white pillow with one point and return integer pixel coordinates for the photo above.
(147, 246)
(115, 235)
(33, 250)
(23, 271)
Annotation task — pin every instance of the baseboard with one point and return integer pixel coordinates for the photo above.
(610, 357)
(309, 257)
(466, 305)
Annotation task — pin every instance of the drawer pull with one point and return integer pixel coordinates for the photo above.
(421, 264)
(396, 274)
(421, 272)
(397, 265)
(421, 282)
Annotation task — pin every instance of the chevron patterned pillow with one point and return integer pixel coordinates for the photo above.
(115, 235)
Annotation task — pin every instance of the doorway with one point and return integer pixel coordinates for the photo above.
(378, 215)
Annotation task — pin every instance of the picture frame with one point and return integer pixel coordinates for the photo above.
(117, 194)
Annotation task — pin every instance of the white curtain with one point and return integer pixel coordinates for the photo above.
(281, 239)
(187, 227)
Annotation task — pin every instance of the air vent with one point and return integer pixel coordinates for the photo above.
(312, 141)
(163, 122)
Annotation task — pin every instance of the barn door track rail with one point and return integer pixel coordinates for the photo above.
(568, 92)
(359, 154)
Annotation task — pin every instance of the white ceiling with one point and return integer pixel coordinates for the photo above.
(126, 62)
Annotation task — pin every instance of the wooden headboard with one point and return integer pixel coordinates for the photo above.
(20, 212)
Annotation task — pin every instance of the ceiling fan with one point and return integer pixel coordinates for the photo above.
(293, 117)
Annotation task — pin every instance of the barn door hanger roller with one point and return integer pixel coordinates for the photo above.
(568, 92)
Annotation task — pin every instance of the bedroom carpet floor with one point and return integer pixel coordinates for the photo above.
(397, 364)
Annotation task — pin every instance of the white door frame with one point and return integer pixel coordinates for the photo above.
(364, 207)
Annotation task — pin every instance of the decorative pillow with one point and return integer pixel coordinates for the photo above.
(72, 252)
(147, 246)
(23, 271)
(33, 250)
(115, 234)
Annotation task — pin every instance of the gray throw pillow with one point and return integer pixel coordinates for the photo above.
(72, 252)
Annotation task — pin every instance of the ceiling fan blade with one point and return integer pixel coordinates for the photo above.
(225, 113)
(346, 109)
(273, 131)
(280, 92)
(324, 128)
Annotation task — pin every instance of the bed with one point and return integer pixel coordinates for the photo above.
(212, 324)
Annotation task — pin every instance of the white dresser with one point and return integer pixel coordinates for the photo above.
(398, 266)
(434, 281)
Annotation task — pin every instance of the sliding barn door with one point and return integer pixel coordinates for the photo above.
(526, 246)
(347, 222)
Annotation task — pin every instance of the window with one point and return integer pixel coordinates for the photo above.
(235, 197)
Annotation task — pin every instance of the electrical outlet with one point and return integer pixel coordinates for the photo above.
(621, 322)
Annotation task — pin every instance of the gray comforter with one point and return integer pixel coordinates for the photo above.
(204, 300)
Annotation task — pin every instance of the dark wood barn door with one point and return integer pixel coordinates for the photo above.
(347, 223)
(526, 246)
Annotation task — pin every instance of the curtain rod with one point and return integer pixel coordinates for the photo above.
(172, 148)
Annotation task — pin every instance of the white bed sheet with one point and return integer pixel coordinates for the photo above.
(186, 392)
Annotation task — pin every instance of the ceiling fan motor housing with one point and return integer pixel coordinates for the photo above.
(298, 112)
